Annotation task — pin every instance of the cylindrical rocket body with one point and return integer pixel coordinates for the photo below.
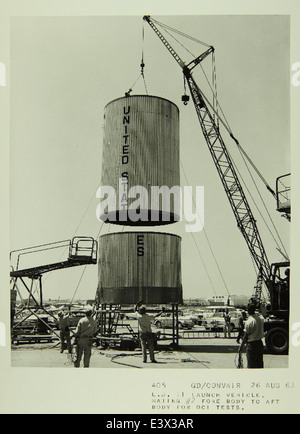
(140, 161)
(135, 266)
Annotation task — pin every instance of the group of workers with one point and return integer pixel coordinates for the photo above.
(251, 332)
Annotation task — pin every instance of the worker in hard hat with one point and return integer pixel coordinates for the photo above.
(86, 329)
(145, 332)
(64, 327)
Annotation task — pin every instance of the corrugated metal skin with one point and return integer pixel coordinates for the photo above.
(125, 277)
(141, 139)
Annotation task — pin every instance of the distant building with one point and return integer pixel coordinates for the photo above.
(219, 300)
(240, 300)
(195, 302)
(231, 300)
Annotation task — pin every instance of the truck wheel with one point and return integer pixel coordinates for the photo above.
(277, 341)
(158, 324)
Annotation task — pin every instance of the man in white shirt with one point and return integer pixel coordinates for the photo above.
(145, 332)
(254, 333)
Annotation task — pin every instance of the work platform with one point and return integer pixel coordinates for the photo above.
(81, 251)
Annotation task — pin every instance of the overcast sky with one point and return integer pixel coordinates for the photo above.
(65, 70)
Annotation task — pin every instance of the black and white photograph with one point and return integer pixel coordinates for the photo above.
(150, 191)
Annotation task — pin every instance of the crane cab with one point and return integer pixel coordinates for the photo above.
(279, 289)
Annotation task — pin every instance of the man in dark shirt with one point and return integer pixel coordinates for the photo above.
(65, 338)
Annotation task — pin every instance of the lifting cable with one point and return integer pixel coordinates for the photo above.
(180, 33)
(76, 289)
(255, 204)
(80, 221)
(225, 123)
(83, 271)
(210, 247)
(142, 65)
(244, 154)
(241, 149)
(267, 211)
(215, 91)
(89, 204)
(213, 88)
(142, 61)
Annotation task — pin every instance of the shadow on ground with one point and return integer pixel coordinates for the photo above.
(208, 348)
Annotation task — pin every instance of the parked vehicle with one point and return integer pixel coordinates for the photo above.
(165, 320)
(210, 311)
(33, 324)
(195, 316)
(217, 322)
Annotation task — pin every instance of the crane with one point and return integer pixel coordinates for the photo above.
(277, 328)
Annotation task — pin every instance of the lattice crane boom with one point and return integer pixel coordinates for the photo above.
(227, 173)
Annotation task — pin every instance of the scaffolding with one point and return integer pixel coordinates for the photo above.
(111, 318)
(81, 251)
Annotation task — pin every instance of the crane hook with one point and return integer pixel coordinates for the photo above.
(185, 98)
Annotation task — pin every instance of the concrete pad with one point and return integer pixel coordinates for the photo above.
(213, 353)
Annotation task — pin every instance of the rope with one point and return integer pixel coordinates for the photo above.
(178, 42)
(215, 96)
(239, 360)
(217, 117)
(276, 231)
(78, 284)
(145, 83)
(255, 204)
(244, 154)
(72, 357)
(203, 263)
(215, 92)
(209, 244)
(77, 227)
(142, 60)
(180, 33)
(142, 65)
(84, 269)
